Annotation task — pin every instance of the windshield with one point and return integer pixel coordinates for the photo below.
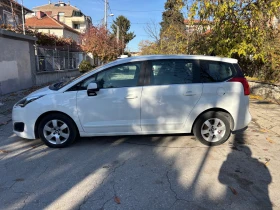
(59, 85)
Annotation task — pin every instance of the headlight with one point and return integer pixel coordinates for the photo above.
(23, 102)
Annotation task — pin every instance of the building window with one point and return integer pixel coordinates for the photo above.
(9, 20)
(76, 26)
(77, 14)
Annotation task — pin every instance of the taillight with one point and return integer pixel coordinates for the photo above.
(244, 82)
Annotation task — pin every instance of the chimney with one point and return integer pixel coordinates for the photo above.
(56, 17)
(50, 2)
(40, 14)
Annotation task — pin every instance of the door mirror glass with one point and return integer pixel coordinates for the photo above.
(92, 88)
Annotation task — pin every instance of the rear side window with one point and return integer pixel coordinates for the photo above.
(166, 72)
(215, 71)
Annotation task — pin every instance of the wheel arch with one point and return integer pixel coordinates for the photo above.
(39, 119)
(228, 115)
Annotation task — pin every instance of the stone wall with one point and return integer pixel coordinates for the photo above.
(265, 90)
(17, 62)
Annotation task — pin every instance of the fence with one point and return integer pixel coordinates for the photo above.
(56, 60)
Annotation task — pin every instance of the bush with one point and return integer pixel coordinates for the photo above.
(85, 66)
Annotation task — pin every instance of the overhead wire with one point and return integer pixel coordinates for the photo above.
(139, 10)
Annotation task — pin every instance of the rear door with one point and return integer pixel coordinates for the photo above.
(224, 86)
(171, 92)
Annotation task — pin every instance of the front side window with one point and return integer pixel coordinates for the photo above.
(166, 72)
(125, 75)
(215, 71)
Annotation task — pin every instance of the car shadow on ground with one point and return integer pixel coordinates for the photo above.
(135, 172)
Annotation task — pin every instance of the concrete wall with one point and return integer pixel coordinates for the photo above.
(52, 76)
(17, 61)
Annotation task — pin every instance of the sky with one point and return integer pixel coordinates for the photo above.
(139, 12)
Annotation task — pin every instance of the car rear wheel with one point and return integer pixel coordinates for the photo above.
(57, 130)
(212, 128)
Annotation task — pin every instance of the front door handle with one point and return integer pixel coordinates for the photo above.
(131, 97)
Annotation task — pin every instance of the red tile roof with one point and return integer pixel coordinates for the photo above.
(47, 22)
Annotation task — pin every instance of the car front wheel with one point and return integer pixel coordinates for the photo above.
(212, 128)
(57, 130)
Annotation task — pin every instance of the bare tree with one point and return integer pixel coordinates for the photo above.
(152, 29)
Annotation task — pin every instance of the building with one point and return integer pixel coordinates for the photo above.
(67, 14)
(11, 13)
(197, 26)
(42, 22)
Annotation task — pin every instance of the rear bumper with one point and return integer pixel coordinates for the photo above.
(240, 130)
(243, 117)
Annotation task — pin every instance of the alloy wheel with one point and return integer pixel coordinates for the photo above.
(56, 131)
(213, 130)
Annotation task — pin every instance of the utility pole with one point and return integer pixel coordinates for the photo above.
(22, 16)
(118, 33)
(105, 13)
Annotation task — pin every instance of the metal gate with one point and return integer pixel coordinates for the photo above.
(56, 60)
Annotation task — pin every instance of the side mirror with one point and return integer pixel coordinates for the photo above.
(92, 89)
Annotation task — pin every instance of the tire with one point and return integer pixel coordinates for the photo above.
(212, 128)
(57, 130)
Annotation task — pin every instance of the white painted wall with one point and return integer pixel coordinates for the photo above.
(57, 32)
(70, 34)
(61, 33)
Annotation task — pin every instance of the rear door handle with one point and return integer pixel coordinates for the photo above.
(131, 97)
(189, 93)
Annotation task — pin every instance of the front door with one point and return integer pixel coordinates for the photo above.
(116, 107)
(170, 96)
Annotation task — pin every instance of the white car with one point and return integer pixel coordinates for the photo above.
(157, 94)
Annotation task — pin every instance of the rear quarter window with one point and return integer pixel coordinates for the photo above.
(238, 69)
(215, 71)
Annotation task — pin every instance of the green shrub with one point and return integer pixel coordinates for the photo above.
(85, 66)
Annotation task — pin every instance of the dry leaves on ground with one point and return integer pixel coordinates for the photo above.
(233, 190)
(270, 140)
(117, 200)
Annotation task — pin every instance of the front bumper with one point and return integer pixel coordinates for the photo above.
(23, 115)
